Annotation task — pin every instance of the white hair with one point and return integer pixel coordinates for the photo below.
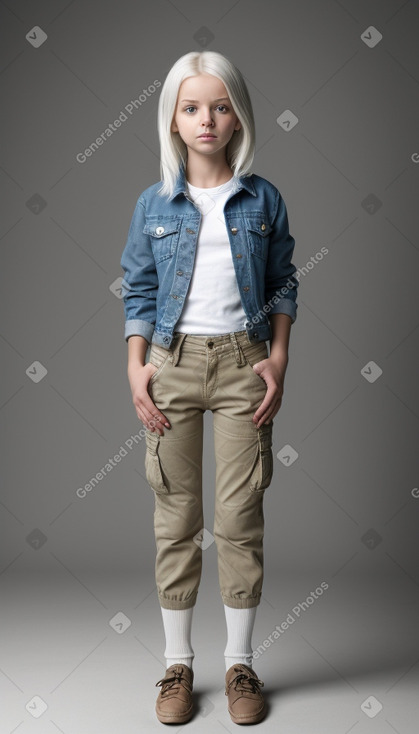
(173, 151)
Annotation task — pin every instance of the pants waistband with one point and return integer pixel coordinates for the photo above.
(238, 339)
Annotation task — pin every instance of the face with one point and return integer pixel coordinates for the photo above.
(203, 105)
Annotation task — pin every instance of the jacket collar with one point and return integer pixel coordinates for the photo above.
(243, 182)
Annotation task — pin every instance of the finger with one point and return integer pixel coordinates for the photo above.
(153, 414)
(269, 398)
(144, 420)
(266, 419)
(268, 415)
(143, 417)
(153, 421)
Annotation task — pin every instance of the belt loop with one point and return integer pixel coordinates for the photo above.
(179, 338)
(238, 352)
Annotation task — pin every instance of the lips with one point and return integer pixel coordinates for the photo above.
(207, 135)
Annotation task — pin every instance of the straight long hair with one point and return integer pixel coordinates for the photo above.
(173, 151)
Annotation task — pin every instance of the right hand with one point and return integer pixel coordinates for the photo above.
(139, 377)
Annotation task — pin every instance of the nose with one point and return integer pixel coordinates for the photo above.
(206, 119)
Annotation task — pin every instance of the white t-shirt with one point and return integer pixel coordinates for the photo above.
(212, 304)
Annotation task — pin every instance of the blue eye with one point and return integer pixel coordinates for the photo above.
(192, 107)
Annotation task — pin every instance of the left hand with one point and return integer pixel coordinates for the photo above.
(273, 372)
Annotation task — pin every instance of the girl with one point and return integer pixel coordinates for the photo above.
(208, 281)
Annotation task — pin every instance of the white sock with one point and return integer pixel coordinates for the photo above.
(240, 624)
(177, 629)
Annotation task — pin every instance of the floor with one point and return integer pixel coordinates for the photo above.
(81, 654)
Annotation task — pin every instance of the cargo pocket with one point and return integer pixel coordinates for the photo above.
(153, 467)
(263, 470)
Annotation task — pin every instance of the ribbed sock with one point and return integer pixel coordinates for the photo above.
(240, 623)
(177, 629)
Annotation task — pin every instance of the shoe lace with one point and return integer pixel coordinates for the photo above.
(173, 681)
(244, 682)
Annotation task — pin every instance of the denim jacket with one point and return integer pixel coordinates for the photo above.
(159, 255)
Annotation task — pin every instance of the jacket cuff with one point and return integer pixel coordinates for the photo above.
(137, 327)
(285, 305)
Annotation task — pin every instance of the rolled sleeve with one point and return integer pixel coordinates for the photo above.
(140, 281)
(281, 285)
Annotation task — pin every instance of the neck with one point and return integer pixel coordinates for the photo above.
(207, 173)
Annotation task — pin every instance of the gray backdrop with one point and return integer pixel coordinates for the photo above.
(345, 511)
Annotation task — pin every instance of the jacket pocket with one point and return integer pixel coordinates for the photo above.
(153, 468)
(164, 235)
(263, 469)
(258, 231)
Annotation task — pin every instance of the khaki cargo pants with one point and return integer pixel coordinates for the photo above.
(196, 374)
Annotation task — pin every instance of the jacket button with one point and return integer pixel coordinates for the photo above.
(179, 272)
(255, 334)
(159, 230)
(234, 230)
(238, 255)
(190, 231)
(263, 227)
(246, 288)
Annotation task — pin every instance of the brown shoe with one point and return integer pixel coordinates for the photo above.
(174, 703)
(246, 704)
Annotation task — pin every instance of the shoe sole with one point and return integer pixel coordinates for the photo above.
(249, 719)
(175, 719)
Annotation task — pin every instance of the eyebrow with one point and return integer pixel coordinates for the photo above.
(197, 100)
